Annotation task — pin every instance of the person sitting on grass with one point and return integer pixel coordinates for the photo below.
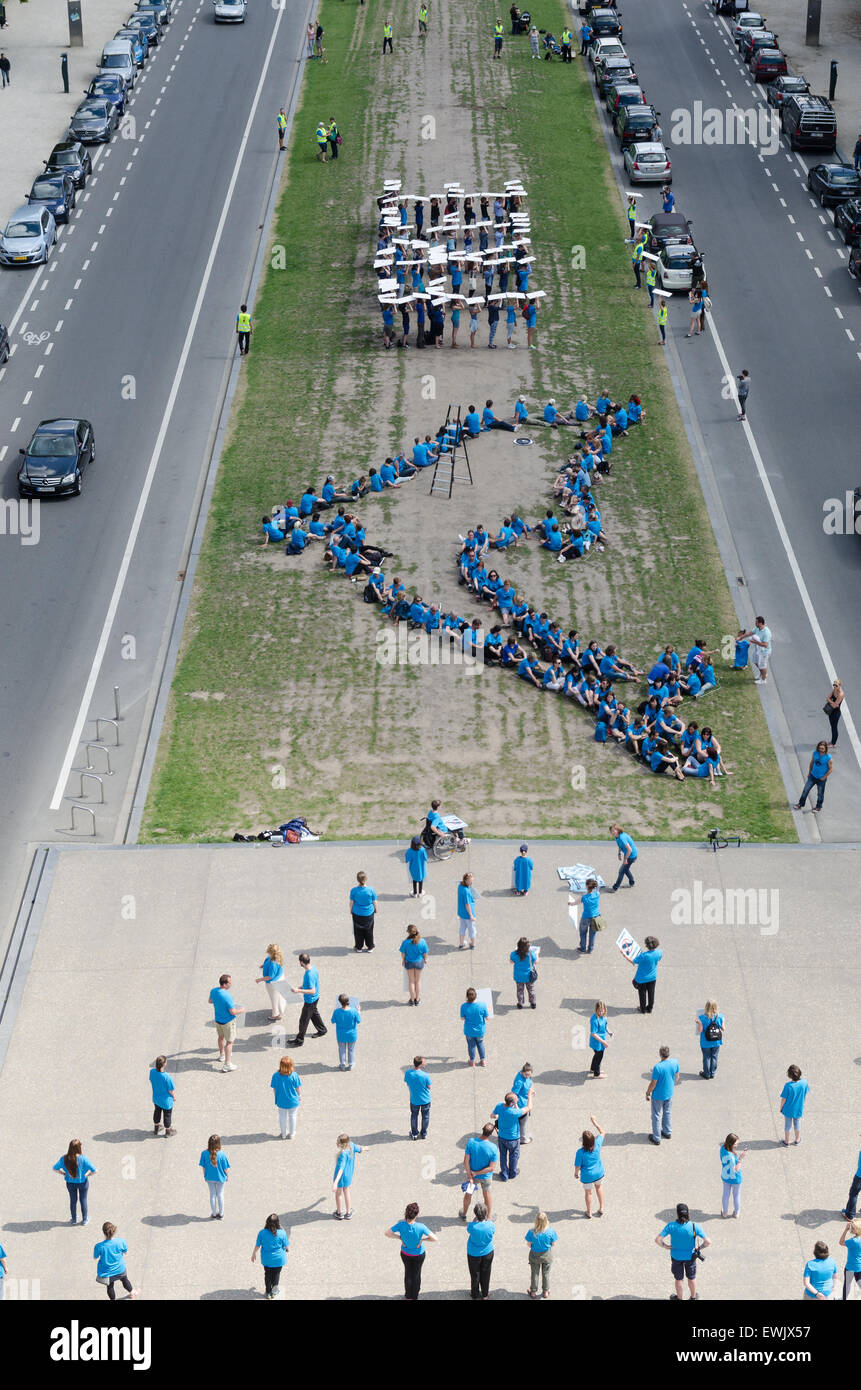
(668, 726)
(708, 678)
(271, 532)
(316, 528)
(590, 660)
(504, 537)
(512, 653)
(576, 545)
(593, 526)
(636, 410)
(493, 646)
(529, 670)
(661, 760)
(637, 732)
(582, 410)
(619, 724)
(707, 768)
(553, 543)
(691, 684)
(619, 420)
(487, 592)
(522, 531)
(490, 422)
(554, 418)
(554, 677)
(586, 692)
(521, 414)
(389, 475)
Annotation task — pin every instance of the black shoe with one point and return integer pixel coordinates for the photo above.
(533, 1006)
(653, 1140)
(520, 1006)
(295, 1042)
(320, 1034)
(665, 1136)
(703, 1075)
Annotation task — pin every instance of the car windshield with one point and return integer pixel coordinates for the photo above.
(46, 188)
(844, 176)
(679, 257)
(64, 157)
(91, 108)
(23, 229)
(652, 157)
(114, 60)
(49, 446)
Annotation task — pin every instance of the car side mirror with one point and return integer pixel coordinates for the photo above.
(22, 451)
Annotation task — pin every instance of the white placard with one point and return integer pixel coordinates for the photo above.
(627, 945)
(485, 996)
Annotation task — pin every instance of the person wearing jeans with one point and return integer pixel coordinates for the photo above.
(590, 913)
(646, 974)
(310, 989)
(851, 1242)
(540, 1240)
(215, 1165)
(710, 1027)
(792, 1099)
(346, 1019)
(419, 1084)
(111, 1267)
(660, 1092)
(818, 772)
(627, 856)
(273, 1244)
(522, 1088)
(479, 1252)
(285, 1083)
(508, 1115)
(731, 1175)
(412, 1234)
(76, 1170)
(474, 1015)
(854, 1190)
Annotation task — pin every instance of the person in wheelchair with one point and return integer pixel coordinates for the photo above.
(435, 827)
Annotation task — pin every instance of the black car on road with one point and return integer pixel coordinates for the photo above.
(667, 227)
(787, 86)
(834, 183)
(53, 463)
(847, 220)
(95, 121)
(108, 88)
(56, 192)
(70, 157)
(636, 123)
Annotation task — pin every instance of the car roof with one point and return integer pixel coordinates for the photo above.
(67, 145)
(25, 210)
(621, 88)
(643, 110)
(769, 54)
(651, 145)
(58, 426)
(668, 219)
(836, 164)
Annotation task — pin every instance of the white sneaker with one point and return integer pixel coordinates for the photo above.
(229, 1066)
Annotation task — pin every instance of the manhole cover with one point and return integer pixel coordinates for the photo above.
(523, 441)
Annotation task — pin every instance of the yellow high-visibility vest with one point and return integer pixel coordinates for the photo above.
(566, 37)
(662, 312)
(651, 274)
(498, 31)
(282, 121)
(322, 135)
(243, 323)
(387, 31)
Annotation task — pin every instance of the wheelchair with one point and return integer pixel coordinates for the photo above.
(442, 847)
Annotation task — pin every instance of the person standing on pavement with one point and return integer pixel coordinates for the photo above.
(743, 390)
(589, 1166)
(854, 1189)
(466, 920)
(412, 1234)
(646, 973)
(662, 321)
(524, 959)
(792, 1099)
(334, 137)
(215, 1165)
(418, 1084)
(480, 1161)
(540, 1240)
(818, 772)
(851, 1242)
(684, 1234)
(522, 868)
(832, 709)
(731, 1175)
(243, 330)
(281, 121)
(479, 1251)
(5, 71)
(668, 200)
(387, 36)
(310, 990)
(820, 1273)
(110, 1255)
(696, 302)
(76, 1170)
(598, 1035)
(417, 863)
(342, 1179)
(660, 1092)
(651, 280)
(226, 1009)
(590, 916)
(363, 907)
(637, 263)
(628, 854)
(286, 1084)
(710, 1030)
(346, 1019)
(509, 1113)
(163, 1097)
(474, 1015)
(498, 32)
(273, 1245)
(760, 639)
(272, 975)
(522, 1086)
(413, 951)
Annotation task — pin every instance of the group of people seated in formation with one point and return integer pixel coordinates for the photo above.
(475, 259)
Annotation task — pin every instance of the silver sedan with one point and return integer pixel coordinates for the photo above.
(28, 237)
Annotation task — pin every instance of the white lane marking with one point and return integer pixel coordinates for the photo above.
(782, 200)
(39, 370)
(49, 349)
(53, 267)
(101, 229)
(131, 540)
(135, 150)
(116, 195)
(795, 568)
(148, 124)
(84, 266)
(827, 291)
(33, 306)
(123, 179)
(26, 400)
(43, 286)
(15, 423)
(87, 196)
(128, 166)
(838, 312)
(94, 246)
(808, 253)
(791, 218)
(831, 236)
(800, 237)
(850, 335)
(5, 446)
(818, 271)
(822, 219)
(109, 212)
(59, 325)
(79, 213)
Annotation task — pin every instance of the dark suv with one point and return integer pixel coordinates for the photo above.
(636, 123)
(606, 24)
(810, 122)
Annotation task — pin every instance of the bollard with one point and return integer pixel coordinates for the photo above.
(64, 70)
(832, 84)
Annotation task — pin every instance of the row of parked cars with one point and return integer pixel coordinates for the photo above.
(31, 232)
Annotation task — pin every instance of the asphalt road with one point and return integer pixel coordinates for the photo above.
(785, 308)
(112, 314)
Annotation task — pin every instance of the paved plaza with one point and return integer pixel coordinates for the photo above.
(130, 942)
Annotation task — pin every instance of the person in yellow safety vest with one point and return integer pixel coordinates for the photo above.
(566, 45)
(282, 127)
(423, 20)
(243, 330)
(387, 36)
(662, 322)
(322, 138)
(498, 32)
(637, 261)
(632, 217)
(334, 136)
(651, 277)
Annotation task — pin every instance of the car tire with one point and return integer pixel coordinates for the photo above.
(47, 254)
(79, 485)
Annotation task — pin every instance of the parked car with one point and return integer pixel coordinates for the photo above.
(667, 227)
(117, 57)
(606, 22)
(28, 237)
(636, 124)
(854, 263)
(847, 220)
(611, 70)
(754, 40)
(834, 183)
(768, 64)
(54, 461)
(647, 163)
(674, 265)
(605, 48)
(809, 121)
(94, 122)
(623, 94)
(56, 192)
(111, 89)
(782, 87)
(147, 23)
(163, 8)
(70, 157)
(139, 43)
(230, 11)
(751, 19)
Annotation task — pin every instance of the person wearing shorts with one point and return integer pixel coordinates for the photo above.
(684, 1234)
(480, 1159)
(225, 1020)
(589, 1166)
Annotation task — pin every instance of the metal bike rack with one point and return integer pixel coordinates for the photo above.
(88, 811)
(103, 719)
(93, 778)
(107, 752)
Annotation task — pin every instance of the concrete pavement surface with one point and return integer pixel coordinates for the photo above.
(132, 940)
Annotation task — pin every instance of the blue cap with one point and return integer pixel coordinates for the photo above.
(523, 849)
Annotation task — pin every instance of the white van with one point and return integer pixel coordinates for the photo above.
(118, 60)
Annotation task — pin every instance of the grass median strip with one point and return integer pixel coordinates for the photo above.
(279, 704)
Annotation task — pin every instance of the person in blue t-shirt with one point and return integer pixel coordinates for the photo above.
(590, 913)
(215, 1165)
(472, 422)
(226, 1009)
(522, 869)
(710, 1029)
(541, 1240)
(2, 1272)
(273, 1244)
(298, 540)
(685, 1237)
(163, 1097)
(412, 1235)
(854, 1189)
(110, 1255)
(731, 1174)
(598, 1035)
(286, 1084)
(76, 1169)
(742, 651)
(818, 772)
(589, 1166)
(310, 991)
(820, 1273)
(417, 862)
(271, 532)
(342, 1178)
(474, 1015)
(792, 1099)
(480, 1159)
(479, 1251)
(646, 973)
(508, 1116)
(346, 1019)
(413, 951)
(466, 918)
(627, 856)
(363, 907)
(524, 958)
(851, 1242)
(659, 1091)
(419, 1084)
